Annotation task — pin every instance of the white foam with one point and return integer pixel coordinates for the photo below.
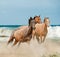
(53, 32)
(5, 32)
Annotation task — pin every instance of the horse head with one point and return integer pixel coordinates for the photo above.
(37, 19)
(32, 23)
(47, 21)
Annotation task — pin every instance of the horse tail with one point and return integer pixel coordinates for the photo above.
(11, 38)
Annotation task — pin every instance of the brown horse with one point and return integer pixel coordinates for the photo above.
(23, 35)
(41, 30)
(37, 20)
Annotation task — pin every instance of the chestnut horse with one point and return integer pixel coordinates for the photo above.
(37, 21)
(41, 30)
(23, 35)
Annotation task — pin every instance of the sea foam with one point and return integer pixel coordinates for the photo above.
(53, 32)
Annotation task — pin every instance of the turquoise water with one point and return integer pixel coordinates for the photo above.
(16, 26)
(10, 26)
(53, 30)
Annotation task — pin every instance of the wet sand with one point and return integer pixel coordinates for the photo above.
(49, 48)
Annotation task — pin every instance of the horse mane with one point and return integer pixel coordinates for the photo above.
(45, 24)
(29, 20)
(36, 16)
(30, 28)
(46, 18)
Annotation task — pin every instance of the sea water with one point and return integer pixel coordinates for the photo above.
(53, 30)
(6, 30)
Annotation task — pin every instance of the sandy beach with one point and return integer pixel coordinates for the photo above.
(50, 48)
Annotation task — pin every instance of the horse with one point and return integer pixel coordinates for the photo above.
(22, 35)
(41, 30)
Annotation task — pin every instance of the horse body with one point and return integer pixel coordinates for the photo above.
(41, 31)
(22, 34)
(40, 28)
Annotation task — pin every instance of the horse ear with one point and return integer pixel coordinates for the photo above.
(47, 17)
(39, 15)
(29, 20)
(34, 18)
(30, 17)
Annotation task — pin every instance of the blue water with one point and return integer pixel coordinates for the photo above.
(15, 26)
(10, 26)
(54, 25)
(53, 31)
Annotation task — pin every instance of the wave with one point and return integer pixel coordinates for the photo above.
(5, 32)
(53, 31)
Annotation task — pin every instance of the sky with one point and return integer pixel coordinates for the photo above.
(17, 12)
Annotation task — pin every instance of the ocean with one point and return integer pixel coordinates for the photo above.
(53, 30)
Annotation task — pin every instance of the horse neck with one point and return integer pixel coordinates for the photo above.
(45, 28)
(29, 31)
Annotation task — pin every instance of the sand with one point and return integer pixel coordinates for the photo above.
(49, 48)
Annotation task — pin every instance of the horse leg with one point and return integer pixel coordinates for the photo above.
(33, 34)
(11, 39)
(15, 42)
(37, 37)
(28, 38)
(21, 40)
(44, 38)
(41, 39)
(19, 43)
(28, 41)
